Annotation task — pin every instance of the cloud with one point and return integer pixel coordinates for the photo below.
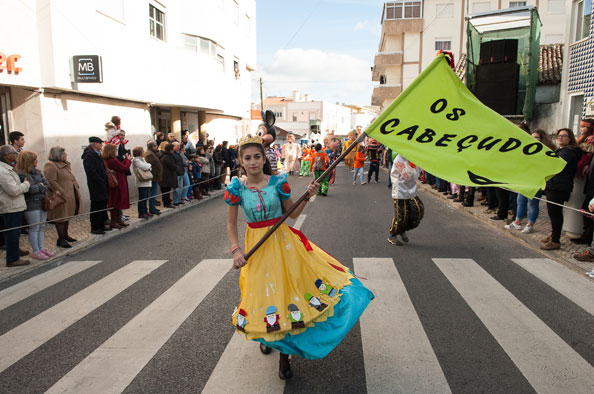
(360, 25)
(327, 76)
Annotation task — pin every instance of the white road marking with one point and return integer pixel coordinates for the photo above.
(27, 288)
(313, 198)
(299, 222)
(573, 286)
(244, 369)
(22, 340)
(547, 362)
(403, 361)
(113, 365)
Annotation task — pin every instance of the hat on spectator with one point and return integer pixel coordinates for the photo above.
(95, 139)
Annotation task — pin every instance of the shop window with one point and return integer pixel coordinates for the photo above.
(583, 15)
(157, 23)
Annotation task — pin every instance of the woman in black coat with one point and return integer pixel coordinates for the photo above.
(169, 179)
(560, 186)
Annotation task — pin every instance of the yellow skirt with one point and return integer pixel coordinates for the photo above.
(288, 285)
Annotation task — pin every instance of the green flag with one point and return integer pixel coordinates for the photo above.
(439, 125)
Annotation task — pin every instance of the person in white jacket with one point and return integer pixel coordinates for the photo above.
(144, 176)
(12, 204)
(408, 208)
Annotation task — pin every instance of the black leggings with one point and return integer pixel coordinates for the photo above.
(556, 212)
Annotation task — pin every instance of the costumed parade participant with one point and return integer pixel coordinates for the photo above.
(319, 165)
(408, 208)
(349, 160)
(305, 161)
(290, 153)
(295, 297)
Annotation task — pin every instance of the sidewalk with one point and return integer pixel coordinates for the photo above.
(542, 228)
(80, 229)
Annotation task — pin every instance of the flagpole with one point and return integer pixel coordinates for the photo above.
(305, 195)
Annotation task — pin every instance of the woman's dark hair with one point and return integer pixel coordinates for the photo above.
(318, 146)
(524, 126)
(168, 147)
(545, 139)
(267, 167)
(572, 141)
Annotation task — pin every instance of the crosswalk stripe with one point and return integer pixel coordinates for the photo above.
(114, 364)
(244, 369)
(22, 340)
(27, 288)
(547, 362)
(299, 221)
(404, 362)
(573, 286)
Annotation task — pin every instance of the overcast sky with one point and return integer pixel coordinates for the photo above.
(321, 47)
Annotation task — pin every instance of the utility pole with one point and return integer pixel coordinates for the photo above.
(261, 97)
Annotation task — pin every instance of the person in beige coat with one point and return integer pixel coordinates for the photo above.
(12, 204)
(58, 173)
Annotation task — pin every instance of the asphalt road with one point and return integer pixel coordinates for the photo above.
(475, 348)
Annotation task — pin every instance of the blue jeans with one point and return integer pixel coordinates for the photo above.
(390, 174)
(359, 171)
(143, 194)
(152, 202)
(186, 185)
(11, 237)
(36, 231)
(178, 192)
(533, 208)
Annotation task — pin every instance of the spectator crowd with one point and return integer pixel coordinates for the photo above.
(167, 173)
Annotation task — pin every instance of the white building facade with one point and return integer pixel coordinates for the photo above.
(165, 66)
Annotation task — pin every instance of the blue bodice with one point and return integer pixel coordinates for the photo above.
(259, 204)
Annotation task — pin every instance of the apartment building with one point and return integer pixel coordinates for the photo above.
(414, 30)
(67, 66)
(303, 116)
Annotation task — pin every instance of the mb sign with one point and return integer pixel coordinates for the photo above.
(86, 69)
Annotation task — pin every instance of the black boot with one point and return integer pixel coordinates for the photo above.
(61, 229)
(284, 368)
(68, 237)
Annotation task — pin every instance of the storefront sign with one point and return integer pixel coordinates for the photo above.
(8, 63)
(86, 69)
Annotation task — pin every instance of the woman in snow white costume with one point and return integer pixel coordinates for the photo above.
(295, 297)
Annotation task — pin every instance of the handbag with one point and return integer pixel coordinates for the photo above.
(143, 175)
(112, 181)
(51, 201)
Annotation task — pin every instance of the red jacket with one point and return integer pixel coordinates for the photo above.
(119, 197)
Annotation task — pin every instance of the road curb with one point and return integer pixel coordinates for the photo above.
(95, 239)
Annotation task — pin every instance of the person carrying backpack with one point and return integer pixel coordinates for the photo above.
(320, 163)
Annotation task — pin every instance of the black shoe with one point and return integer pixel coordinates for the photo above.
(107, 228)
(580, 241)
(265, 349)
(453, 196)
(98, 232)
(63, 244)
(70, 239)
(156, 212)
(284, 369)
(467, 204)
(496, 218)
